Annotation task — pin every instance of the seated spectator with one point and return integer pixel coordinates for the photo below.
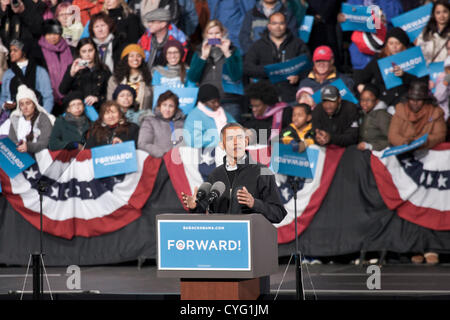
(174, 73)
(131, 70)
(220, 65)
(276, 45)
(396, 41)
(158, 131)
(324, 71)
(3, 59)
(57, 55)
(159, 31)
(442, 92)
(125, 96)
(88, 8)
(299, 133)
(256, 19)
(436, 33)
(109, 46)
(72, 29)
(25, 71)
(373, 132)
(269, 115)
(204, 122)
(416, 117)
(87, 74)
(31, 125)
(70, 128)
(335, 121)
(111, 127)
(128, 25)
(304, 95)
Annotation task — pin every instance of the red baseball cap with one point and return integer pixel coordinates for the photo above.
(322, 53)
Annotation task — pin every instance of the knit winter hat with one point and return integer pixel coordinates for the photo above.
(23, 92)
(400, 35)
(173, 43)
(132, 48)
(52, 26)
(72, 95)
(208, 92)
(122, 87)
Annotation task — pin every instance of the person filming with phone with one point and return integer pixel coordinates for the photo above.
(219, 62)
(239, 185)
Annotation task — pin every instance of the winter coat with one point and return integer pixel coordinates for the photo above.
(434, 49)
(132, 134)
(342, 125)
(264, 52)
(310, 81)
(374, 127)
(407, 126)
(65, 134)
(156, 136)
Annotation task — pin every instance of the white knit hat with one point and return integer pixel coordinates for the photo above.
(23, 92)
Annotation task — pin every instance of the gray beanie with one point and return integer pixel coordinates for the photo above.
(159, 14)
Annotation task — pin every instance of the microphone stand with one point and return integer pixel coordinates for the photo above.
(294, 182)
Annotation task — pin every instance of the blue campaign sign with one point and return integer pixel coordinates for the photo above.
(114, 159)
(204, 245)
(187, 97)
(91, 113)
(406, 147)
(344, 91)
(413, 21)
(357, 18)
(410, 60)
(278, 72)
(291, 163)
(305, 29)
(434, 69)
(12, 161)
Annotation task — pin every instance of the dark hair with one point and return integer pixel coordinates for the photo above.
(262, 90)
(230, 125)
(278, 12)
(372, 88)
(101, 16)
(431, 26)
(176, 44)
(166, 96)
(305, 107)
(122, 71)
(99, 130)
(97, 61)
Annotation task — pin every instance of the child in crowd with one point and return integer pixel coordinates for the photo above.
(373, 132)
(299, 133)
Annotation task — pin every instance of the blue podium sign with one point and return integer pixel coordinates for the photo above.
(291, 163)
(114, 159)
(12, 161)
(204, 245)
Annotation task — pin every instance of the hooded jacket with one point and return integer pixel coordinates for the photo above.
(374, 127)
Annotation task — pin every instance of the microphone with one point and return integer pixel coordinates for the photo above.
(203, 191)
(216, 192)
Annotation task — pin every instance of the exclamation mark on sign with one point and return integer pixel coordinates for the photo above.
(239, 245)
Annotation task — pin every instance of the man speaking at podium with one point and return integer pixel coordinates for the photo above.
(240, 185)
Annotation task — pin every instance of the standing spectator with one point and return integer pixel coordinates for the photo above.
(435, 35)
(174, 73)
(57, 55)
(111, 127)
(87, 74)
(31, 125)
(277, 44)
(231, 14)
(101, 30)
(128, 25)
(324, 71)
(88, 8)
(72, 29)
(256, 19)
(69, 129)
(204, 122)
(373, 133)
(131, 70)
(335, 121)
(219, 64)
(159, 31)
(25, 71)
(158, 131)
(269, 115)
(396, 41)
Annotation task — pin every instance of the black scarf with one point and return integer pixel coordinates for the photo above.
(28, 79)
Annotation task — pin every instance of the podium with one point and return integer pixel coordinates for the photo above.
(217, 256)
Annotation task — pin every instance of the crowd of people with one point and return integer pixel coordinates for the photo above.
(83, 74)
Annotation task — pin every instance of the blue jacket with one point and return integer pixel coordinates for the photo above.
(231, 13)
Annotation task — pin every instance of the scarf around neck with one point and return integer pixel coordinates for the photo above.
(58, 57)
(219, 116)
(277, 112)
(105, 50)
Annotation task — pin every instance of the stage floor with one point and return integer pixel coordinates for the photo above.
(321, 282)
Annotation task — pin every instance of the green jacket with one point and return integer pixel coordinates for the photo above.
(65, 133)
(375, 127)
